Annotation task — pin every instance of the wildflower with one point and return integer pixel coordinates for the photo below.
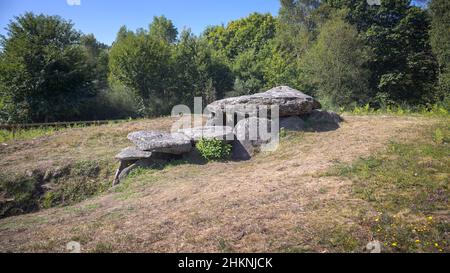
(430, 218)
(417, 241)
(394, 244)
(436, 244)
(377, 219)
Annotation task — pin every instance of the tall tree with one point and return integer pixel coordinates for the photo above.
(403, 67)
(243, 44)
(297, 25)
(143, 63)
(163, 29)
(44, 72)
(440, 41)
(335, 65)
(198, 72)
(97, 57)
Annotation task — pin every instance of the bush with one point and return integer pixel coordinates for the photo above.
(116, 102)
(214, 149)
(21, 194)
(18, 194)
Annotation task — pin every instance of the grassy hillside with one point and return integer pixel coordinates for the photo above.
(378, 177)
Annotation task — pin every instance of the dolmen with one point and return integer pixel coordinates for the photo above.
(232, 120)
(153, 147)
(296, 112)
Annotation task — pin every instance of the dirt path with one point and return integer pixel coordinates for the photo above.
(274, 202)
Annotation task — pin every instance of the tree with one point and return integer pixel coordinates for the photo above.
(242, 44)
(143, 63)
(335, 65)
(198, 72)
(163, 29)
(298, 20)
(402, 67)
(97, 57)
(249, 33)
(44, 72)
(440, 42)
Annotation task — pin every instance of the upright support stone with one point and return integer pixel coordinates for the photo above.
(122, 165)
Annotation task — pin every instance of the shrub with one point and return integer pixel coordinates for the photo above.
(18, 194)
(438, 136)
(214, 149)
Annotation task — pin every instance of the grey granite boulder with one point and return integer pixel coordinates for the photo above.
(133, 153)
(175, 143)
(251, 135)
(322, 116)
(321, 121)
(291, 102)
(293, 123)
(209, 132)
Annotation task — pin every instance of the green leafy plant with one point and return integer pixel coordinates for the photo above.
(438, 136)
(213, 149)
(283, 132)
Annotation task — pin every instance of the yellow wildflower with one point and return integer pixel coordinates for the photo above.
(394, 244)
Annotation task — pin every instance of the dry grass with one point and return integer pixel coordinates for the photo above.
(274, 202)
(97, 142)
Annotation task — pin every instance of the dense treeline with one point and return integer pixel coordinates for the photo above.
(345, 52)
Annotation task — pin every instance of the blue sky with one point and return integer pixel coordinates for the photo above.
(103, 18)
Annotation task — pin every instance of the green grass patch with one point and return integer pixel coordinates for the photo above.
(431, 110)
(408, 185)
(26, 134)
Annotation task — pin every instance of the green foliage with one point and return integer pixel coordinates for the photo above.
(345, 52)
(25, 193)
(26, 134)
(142, 63)
(335, 65)
(434, 110)
(438, 136)
(440, 42)
(200, 73)
(214, 149)
(249, 33)
(19, 194)
(163, 29)
(44, 71)
(164, 73)
(297, 26)
(245, 45)
(115, 102)
(397, 33)
(97, 58)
